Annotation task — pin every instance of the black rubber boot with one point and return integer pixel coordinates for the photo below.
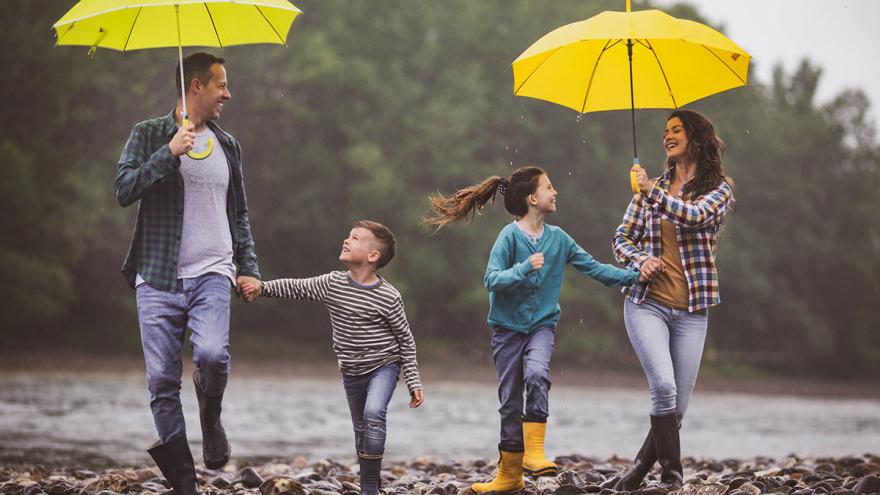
(645, 459)
(215, 446)
(176, 463)
(371, 480)
(666, 441)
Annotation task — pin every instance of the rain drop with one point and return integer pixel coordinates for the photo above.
(569, 172)
(748, 131)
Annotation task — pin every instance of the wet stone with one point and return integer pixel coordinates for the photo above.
(868, 484)
(250, 478)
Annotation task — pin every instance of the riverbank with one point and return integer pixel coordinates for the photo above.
(425, 476)
(453, 370)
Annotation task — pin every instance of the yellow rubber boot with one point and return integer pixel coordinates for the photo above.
(509, 478)
(535, 463)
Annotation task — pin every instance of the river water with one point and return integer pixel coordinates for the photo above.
(100, 420)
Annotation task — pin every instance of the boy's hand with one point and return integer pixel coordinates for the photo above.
(250, 290)
(537, 261)
(417, 396)
(650, 268)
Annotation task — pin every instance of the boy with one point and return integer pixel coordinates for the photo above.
(371, 336)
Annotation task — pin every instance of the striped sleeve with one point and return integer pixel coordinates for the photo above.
(708, 210)
(400, 328)
(629, 234)
(303, 289)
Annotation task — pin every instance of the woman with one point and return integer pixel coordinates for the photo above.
(669, 233)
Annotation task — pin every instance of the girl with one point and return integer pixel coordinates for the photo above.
(524, 278)
(670, 229)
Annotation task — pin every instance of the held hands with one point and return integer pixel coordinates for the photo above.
(537, 261)
(650, 268)
(642, 181)
(416, 397)
(249, 288)
(183, 141)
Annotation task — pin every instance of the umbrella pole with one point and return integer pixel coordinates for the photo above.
(183, 114)
(633, 184)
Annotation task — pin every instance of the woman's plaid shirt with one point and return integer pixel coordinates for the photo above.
(696, 225)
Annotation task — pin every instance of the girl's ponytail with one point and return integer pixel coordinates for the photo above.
(470, 200)
(464, 202)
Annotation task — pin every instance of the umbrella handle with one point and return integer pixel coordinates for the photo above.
(198, 155)
(633, 181)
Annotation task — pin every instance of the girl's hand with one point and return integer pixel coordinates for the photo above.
(416, 397)
(645, 184)
(650, 268)
(537, 261)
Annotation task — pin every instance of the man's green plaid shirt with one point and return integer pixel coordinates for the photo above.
(148, 172)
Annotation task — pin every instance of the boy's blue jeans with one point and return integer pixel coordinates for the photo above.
(202, 305)
(368, 397)
(669, 343)
(522, 363)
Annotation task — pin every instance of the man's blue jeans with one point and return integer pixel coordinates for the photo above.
(522, 363)
(202, 305)
(669, 343)
(368, 397)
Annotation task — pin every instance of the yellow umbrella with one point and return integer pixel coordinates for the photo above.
(137, 24)
(584, 65)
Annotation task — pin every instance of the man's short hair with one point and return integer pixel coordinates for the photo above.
(196, 66)
(385, 238)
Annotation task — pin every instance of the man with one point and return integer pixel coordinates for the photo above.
(192, 243)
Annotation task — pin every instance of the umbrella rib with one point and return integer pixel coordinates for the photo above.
(593, 73)
(213, 25)
(723, 62)
(283, 42)
(672, 96)
(133, 24)
(516, 91)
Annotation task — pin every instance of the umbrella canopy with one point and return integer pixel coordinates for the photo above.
(618, 60)
(585, 65)
(137, 24)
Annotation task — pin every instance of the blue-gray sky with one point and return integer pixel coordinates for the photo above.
(841, 36)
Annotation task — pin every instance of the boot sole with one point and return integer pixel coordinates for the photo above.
(535, 473)
(470, 491)
(216, 464)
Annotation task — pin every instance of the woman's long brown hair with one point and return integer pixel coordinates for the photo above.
(706, 148)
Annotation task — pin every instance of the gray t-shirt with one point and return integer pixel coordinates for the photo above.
(206, 242)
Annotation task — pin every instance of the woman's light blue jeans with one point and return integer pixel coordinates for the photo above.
(202, 305)
(669, 343)
(368, 397)
(522, 363)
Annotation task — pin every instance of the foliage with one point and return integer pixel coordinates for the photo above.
(375, 105)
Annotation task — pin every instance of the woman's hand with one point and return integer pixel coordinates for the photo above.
(650, 268)
(644, 183)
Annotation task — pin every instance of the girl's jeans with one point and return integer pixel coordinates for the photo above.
(669, 343)
(522, 362)
(368, 397)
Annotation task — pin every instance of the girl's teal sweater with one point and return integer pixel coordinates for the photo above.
(521, 299)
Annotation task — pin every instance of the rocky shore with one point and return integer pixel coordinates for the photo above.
(578, 475)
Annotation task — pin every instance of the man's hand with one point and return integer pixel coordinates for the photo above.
(416, 397)
(650, 268)
(249, 288)
(537, 261)
(645, 184)
(183, 141)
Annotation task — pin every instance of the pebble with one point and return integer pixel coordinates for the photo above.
(579, 475)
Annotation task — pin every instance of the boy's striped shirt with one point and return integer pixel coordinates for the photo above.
(369, 323)
(697, 224)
